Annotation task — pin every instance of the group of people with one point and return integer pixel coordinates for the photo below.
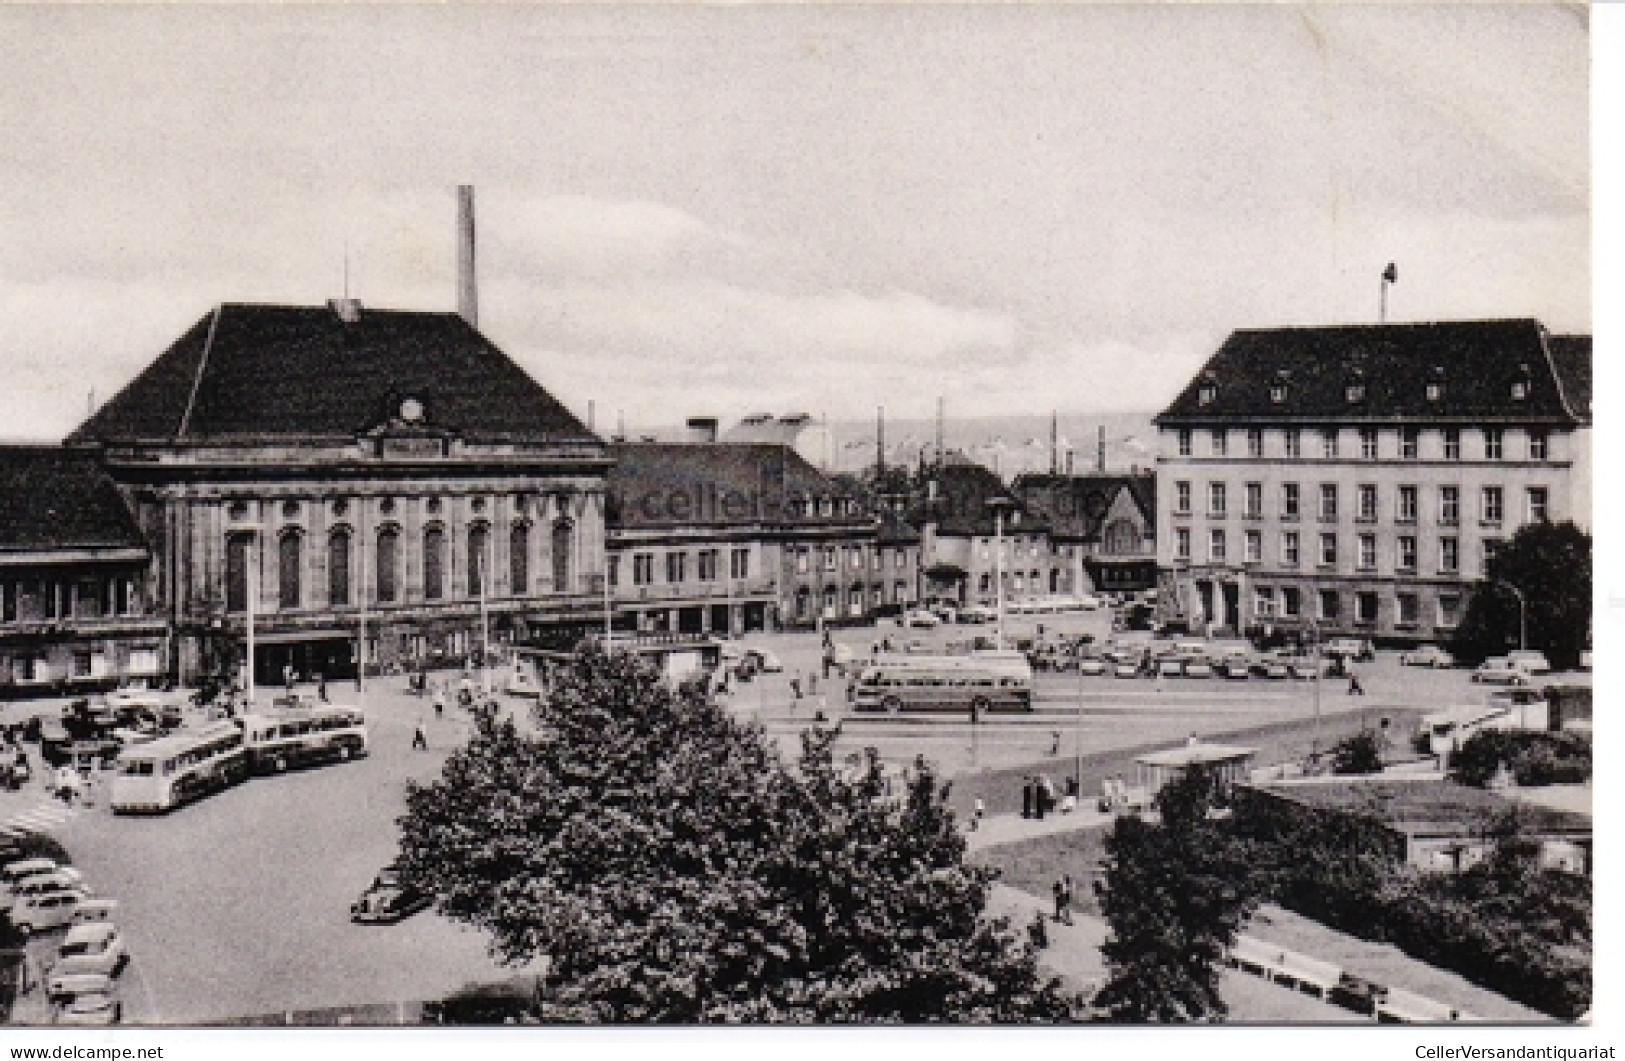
(1113, 794)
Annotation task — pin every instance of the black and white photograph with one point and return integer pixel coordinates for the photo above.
(523, 516)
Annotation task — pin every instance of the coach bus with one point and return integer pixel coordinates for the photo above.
(302, 735)
(163, 774)
(953, 687)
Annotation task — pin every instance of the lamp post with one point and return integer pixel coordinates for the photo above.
(1523, 613)
(999, 505)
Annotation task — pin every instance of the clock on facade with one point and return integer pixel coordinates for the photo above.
(411, 410)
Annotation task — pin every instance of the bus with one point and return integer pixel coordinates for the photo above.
(163, 774)
(301, 735)
(955, 687)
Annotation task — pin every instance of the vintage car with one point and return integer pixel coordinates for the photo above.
(1427, 656)
(389, 900)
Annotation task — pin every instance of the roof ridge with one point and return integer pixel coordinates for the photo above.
(197, 380)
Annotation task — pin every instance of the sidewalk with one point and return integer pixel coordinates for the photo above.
(999, 829)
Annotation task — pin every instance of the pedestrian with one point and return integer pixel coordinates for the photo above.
(812, 681)
(321, 687)
(1355, 688)
(287, 677)
(1058, 889)
(420, 739)
(1026, 797)
(1055, 742)
(1040, 796)
(795, 686)
(977, 814)
(439, 704)
(975, 713)
(1066, 897)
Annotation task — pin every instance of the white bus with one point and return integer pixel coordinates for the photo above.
(304, 735)
(956, 687)
(162, 774)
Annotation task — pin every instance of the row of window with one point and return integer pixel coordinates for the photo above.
(830, 558)
(1354, 391)
(80, 663)
(1366, 559)
(1031, 582)
(1288, 602)
(707, 563)
(1406, 443)
(1491, 502)
(856, 600)
(43, 599)
(434, 554)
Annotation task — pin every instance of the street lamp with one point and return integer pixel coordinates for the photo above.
(999, 505)
(1523, 613)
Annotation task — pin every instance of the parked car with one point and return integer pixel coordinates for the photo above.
(89, 911)
(1531, 661)
(1234, 667)
(1198, 667)
(764, 660)
(14, 873)
(978, 614)
(919, 618)
(1499, 670)
(1126, 669)
(1091, 665)
(389, 900)
(1273, 667)
(94, 948)
(1427, 656)
(1354, 648)
(47, 911)
(91, 1009)
(66, 879)
(1170, 666)
(65, 987)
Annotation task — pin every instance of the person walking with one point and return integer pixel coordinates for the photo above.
(1054, 742)
(1041, 796)
(420, 739)
(1065, 912)
(1355, 688)
(977, 813)
(1026, 797)
(795, 686)
(439, 703)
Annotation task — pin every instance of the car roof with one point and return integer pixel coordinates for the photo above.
(90, 933)
(29, 864)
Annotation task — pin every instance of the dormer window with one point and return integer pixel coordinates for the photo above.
(1435, 391)
(1206, 395)
(1278, 393)
(1355, 392)
(1520, 390)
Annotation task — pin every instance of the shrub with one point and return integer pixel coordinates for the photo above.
(1357, 754)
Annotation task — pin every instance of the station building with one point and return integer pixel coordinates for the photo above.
(1361, 478)
(341, 469)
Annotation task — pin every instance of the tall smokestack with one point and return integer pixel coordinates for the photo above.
(468, 298)
(1054, 444)
(1100, 454)
(939, 429)
(592, 410)
(880, 442)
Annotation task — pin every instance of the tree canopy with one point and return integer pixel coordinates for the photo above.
(671, 867)
(1175, 893)
(1550, 564)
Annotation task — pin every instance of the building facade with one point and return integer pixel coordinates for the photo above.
(1360, 478)
(352, 477)
(1102, 529)
(75, 613)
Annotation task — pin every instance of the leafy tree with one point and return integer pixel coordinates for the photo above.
(1175, 893)
(671, 868)
(1550, 564)
(1357, 754)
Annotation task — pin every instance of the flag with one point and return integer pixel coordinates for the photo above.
(1391, 274)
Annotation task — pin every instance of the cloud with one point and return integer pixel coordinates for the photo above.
(565, 237)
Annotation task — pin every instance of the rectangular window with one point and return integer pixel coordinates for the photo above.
(1291, 601)
(831, 562)
(1289, 548)
(1408, 443)
(802, 561)
(1292, 442)
(1215, 499)
(1215, 546)
(1536, 504)
(739, 563)
(1493, 443)
(1184, 442)
(1405, 554)
(48, 595)
(1254, 546)
(1450, 505)
(1449, 609)
(1490, 504)
(1220, 442)
(1365, 608)
(1491, 549)
(857, 558)
(8, 602)
(1368, 552)
(613, 570)
(676, 567)
(1255, 442)
(1409, 608)
(81, 664)
(1328, 501)
(1289, 500)
(1328, 604)
(1328, 550)
(1452, 444)
(1182, 543)
(1405, 505)
(1368, 443)
(1253, 501)
(643, 569)
(1449, 556)
(1263, 601)
(1367, 498)
(1328, 444)
(707, 564)
(1538, 447)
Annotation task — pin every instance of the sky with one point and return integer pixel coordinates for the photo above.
(726, 210)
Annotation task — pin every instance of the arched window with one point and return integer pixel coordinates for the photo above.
(290, 556)
(519, 559)
(434, 562)
(238, 551)
(832, 602)
(479, 559)
(563, 541)
(338, 568)
(389, 550)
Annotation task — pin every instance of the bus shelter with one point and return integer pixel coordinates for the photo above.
(1225, 763)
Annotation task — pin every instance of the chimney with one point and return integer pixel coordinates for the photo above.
(880, 442)
(1069, 462)
(468, 299)
(1100, 458)
(702, 429)
(592, 410)
(1054, 444)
